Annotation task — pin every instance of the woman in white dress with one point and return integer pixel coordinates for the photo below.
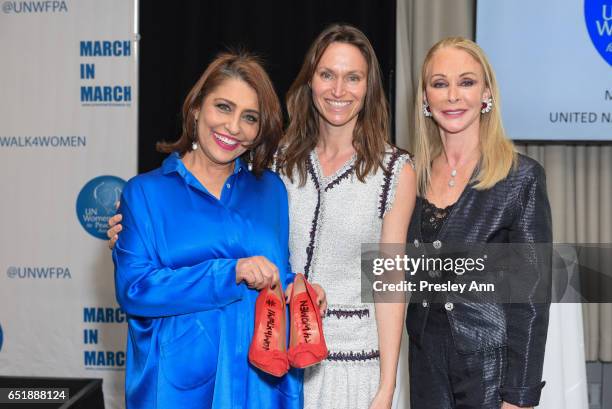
(346, 186)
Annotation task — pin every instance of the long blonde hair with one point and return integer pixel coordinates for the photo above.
(498, 155)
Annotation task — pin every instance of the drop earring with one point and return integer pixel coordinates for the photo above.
(194, 144)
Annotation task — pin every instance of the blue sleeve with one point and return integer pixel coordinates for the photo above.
(146, 288)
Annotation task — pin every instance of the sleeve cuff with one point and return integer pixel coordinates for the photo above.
(227, 290)
(522, 396)
(289, 277)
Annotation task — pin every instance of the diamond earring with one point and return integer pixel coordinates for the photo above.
(426, 110)
(487, 106)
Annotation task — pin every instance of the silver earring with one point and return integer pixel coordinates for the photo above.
(194, 144)
(251, 160)
(426, 110)
(487, 105)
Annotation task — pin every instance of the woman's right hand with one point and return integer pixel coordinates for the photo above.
(257, 272)
(114, 229)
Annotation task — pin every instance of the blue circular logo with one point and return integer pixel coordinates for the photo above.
(598, 18)
(96, 204)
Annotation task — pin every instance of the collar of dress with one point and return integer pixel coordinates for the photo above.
(173, 163)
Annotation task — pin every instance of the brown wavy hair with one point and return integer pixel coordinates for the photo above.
(371, 132)
(248, 68)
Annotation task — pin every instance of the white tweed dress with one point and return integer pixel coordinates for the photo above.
(330, 217)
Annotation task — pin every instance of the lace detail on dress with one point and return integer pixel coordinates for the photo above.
(432, 219)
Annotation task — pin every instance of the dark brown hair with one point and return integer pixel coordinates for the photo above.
(248, 68)
(372, 129)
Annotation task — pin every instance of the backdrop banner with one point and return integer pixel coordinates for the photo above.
(68, 140)
(553, 60)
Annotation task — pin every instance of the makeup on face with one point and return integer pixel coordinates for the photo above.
(339, 83)
(228, 121)
(455, 89)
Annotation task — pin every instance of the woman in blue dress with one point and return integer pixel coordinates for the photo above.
(201, 234)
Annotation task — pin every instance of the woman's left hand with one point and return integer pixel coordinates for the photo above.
(506, 405)
(382, 400)
(321, 297)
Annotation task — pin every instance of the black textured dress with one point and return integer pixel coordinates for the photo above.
(465, 353)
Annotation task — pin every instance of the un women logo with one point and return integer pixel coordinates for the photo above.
(598, 18)
(96, 204)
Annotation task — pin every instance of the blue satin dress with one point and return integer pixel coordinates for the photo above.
(189, 323)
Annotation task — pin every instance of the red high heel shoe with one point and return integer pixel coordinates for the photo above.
(268, 350)
(307, 343)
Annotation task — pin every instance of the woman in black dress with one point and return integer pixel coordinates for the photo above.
(473, 187)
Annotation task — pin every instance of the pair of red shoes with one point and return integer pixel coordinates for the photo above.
(268, 350)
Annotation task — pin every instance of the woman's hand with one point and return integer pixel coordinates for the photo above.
(257, 272)
(382, 400)
(114, 229)
(321, 297)
(506, 405)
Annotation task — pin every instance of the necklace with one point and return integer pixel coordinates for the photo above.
(451, 182)
(460, 164)
(453, 173)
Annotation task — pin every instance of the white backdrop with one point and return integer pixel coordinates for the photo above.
(68, 131)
